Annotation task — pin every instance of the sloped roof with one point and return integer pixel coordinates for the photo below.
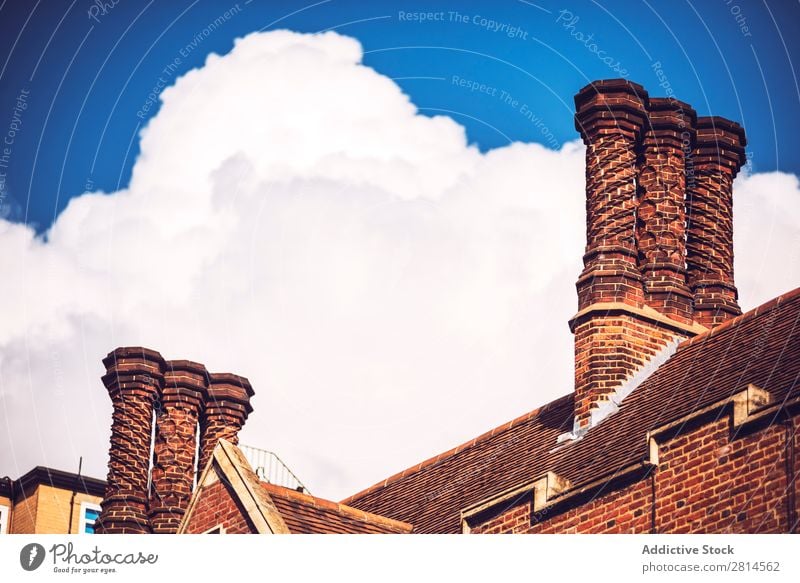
(279, 510)
(306, 514)
(761, 347)
(228, 464)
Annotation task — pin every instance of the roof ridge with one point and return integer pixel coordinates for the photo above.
(338, 507)
(745, 317)
(453, 451)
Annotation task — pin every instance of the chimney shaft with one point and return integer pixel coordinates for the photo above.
(610, 115)
(717, 157)
(227, 407)
(661, 217)
(175, 447)
(134, 377)
(648, 278)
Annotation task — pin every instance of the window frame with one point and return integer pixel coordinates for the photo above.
(82, 521)
(5, 513)
(218, 529)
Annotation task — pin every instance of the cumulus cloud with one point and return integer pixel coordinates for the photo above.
(389, 290)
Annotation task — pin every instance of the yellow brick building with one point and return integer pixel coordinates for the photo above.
(48, 501)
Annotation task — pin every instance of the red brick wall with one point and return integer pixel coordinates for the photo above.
(796, 474)
(608, 350)
(614, 512)
(705, 482)
(216, 506)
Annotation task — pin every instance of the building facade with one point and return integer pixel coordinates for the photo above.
(47, 501)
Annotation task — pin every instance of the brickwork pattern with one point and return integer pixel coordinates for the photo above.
(226, 409)
(707, 481)
(134, 378)
(718, 155)
(610, 117)
(625, 511)
(24, 515)
(184, 398)
(654, 238)
(216, 506)
(174, 450)
(660, 216)
(608, 349)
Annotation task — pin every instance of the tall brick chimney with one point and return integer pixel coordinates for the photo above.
(648, 280)
(226, 409)
(175, 447)
(661, 212)
(134, 378)
(186, 401)
(718, 156)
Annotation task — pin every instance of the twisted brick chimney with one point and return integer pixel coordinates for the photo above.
(227, 408)
(183, 401)
(718, 156)
(134, 377)
(174, 449)
(658, 265)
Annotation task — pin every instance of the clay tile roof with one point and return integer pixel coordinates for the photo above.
(306, 514)
(761, 347)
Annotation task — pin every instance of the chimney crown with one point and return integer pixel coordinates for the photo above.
(610, 106)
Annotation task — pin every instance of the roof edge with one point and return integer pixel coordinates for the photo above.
(44, 476)
(229, 464)
(341, 508)
(749, 315)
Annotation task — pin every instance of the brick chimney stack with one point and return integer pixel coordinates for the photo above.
(175, 447)
(658, 265)
(661, 214)
(185, 401)
(610, 116)
(226, 409)
(134, 378)
(718, 156)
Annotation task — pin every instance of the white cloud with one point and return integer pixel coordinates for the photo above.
(389, 290)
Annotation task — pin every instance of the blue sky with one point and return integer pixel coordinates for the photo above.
(505, 70)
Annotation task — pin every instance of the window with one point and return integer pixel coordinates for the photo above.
(219, 529)
(4, 512)
(89, 514)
